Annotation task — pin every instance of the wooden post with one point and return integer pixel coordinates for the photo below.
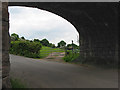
(72, 46)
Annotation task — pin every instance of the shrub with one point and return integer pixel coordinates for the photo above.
(70, 57)
(25, 48)
(15, 83)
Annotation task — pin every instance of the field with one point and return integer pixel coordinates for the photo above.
(45, 51)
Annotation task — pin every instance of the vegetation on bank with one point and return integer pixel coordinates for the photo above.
(70, 56)
(16, 83)
(36, 48)
(31, 49)
(45, 51)
(42, 48)
(26, 48)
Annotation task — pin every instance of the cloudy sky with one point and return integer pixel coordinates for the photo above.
(33, 23)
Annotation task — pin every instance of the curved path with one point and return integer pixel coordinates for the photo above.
(55, 56)
(36, 73)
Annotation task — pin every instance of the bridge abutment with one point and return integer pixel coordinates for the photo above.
(5, 47)
(96, 24)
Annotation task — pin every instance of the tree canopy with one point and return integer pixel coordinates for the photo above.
(51, 45)
(23, 38)
(44, 42)
(72, 45)
(61, 44)
(14, 37)
(36, 40)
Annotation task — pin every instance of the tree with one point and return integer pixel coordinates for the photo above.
(36, 40)
(23, 38)
(72, 45)
(51, 45)
(14, 37)
(44, 42)
(61, 44)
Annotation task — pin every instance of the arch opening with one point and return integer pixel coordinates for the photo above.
(100, 46)
(42, 21)
(50, 30)
(31, 25)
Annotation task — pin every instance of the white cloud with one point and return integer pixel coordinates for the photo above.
(35, 23)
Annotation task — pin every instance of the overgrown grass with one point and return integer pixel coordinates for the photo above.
(71, 56)
(16, 83)
(45, 51)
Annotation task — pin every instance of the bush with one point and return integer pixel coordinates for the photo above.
(70, 57)
(15, 83)
(25, 48)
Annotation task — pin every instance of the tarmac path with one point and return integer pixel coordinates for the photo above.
(41, 73)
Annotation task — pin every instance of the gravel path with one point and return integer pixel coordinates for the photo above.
(56, 57)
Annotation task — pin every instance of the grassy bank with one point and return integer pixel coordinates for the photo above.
(45, 51)
(16, 83)
(31, 49)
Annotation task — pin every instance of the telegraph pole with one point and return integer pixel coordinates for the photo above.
(72, 46)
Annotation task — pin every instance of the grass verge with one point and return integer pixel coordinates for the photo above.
(45, 51)
(16, 83)
(70, 57)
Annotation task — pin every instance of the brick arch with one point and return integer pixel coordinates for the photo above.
(96, 23)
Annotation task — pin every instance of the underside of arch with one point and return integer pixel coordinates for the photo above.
(97, 24)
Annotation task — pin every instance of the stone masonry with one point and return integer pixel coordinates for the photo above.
(97, 24)
(5, 47)
(0, 45)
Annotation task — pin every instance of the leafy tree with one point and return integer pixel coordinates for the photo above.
(72, 45)
(58, 45)
(14, 37)
(61, 44)
(44, 42)
(36, 40)
(30, 40)
(51, 45)
(23, 38)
